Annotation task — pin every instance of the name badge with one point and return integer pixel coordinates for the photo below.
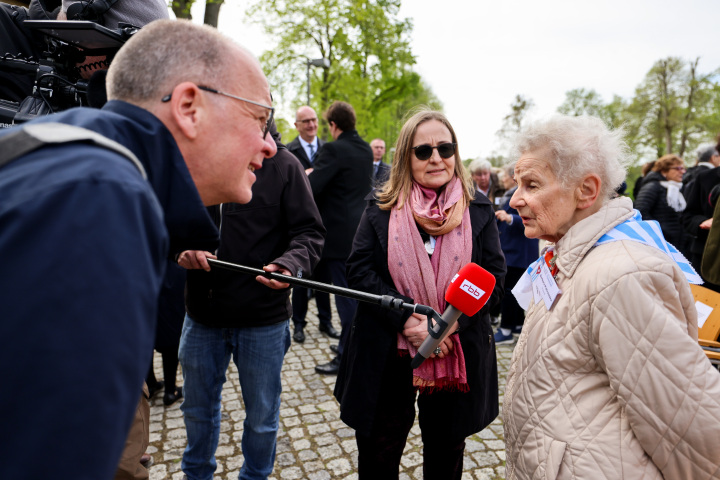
(544, 285)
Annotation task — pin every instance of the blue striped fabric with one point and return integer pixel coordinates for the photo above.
(649, 232)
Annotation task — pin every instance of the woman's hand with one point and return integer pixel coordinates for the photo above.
(415, 330)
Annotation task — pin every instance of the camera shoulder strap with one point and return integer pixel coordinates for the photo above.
(30, 137)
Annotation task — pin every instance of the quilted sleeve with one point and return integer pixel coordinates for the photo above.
(666, 386)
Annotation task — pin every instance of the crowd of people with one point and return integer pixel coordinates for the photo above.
(111, 218)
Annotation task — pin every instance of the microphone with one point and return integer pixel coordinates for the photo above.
(385, 301)
(468, 292)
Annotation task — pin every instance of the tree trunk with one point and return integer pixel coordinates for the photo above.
(212, 12)
(689, 107)
(181, 8)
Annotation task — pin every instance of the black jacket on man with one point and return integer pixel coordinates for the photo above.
(381, 175)
(280, 225)
(298, 150)
(341, 178)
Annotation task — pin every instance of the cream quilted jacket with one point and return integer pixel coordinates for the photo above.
(610, 382)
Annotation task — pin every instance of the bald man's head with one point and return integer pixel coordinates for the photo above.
(306, 123)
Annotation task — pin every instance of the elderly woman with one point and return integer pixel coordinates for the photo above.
(415, 234)
(607, 379)
(486, 181)
(660, 198)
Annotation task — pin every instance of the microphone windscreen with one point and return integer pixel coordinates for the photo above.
(470, 289)
(96, 93)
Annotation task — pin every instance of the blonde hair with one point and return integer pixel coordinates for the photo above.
(399, 184)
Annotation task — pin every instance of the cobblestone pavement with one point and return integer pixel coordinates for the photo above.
(313, 443)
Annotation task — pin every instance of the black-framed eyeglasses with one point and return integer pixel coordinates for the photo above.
(445, 150)
(682, 169)
(167, 98)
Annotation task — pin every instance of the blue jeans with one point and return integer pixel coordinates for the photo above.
(258, 353)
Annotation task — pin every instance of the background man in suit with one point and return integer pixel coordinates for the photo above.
(306, 144)
(381, 170)
(340, 181)
(305, 147)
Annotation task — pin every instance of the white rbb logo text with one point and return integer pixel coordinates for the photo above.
(472, 290)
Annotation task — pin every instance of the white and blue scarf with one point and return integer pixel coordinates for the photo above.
(634, 229)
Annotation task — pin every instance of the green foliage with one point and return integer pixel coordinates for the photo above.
(674, 109)
(580, 101)
(369, 53)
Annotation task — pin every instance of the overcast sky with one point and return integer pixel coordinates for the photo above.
(476, 55)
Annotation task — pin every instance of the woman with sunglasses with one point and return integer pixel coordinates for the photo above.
(417, 231)
(660, 199)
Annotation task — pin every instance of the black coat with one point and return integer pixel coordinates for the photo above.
(374, 331)
(382, 174)
(652, 204)
(297, 149)
(341, 178)
(280, 225)
(698, 209)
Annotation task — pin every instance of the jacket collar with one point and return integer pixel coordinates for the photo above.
(186, 219)
(582, 236)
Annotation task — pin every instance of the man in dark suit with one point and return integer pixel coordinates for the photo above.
(340, 180)
(305, 147)
(381, 170)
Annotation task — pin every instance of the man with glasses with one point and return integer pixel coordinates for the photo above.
(88, 218)
(340, 180)
(305, 147)
(234, 316)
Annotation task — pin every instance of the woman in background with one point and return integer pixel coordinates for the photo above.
(660, 198)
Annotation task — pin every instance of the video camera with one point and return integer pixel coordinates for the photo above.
(59, 83)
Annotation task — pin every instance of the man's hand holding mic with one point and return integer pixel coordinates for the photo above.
(197, 260)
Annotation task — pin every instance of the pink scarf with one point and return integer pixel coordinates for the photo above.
(425, 279)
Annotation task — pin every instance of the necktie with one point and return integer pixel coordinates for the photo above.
(312, 153)
(377, 167)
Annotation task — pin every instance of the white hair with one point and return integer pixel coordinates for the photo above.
(479, 165)
(578, 146)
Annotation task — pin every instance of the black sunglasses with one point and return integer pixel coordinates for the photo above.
(445, 150)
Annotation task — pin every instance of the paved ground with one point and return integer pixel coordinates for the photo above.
(313, 443)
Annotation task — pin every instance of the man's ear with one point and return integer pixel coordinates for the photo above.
(588, 191)
(186, 109)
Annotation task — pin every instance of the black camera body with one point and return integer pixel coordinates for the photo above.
(59, 83)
